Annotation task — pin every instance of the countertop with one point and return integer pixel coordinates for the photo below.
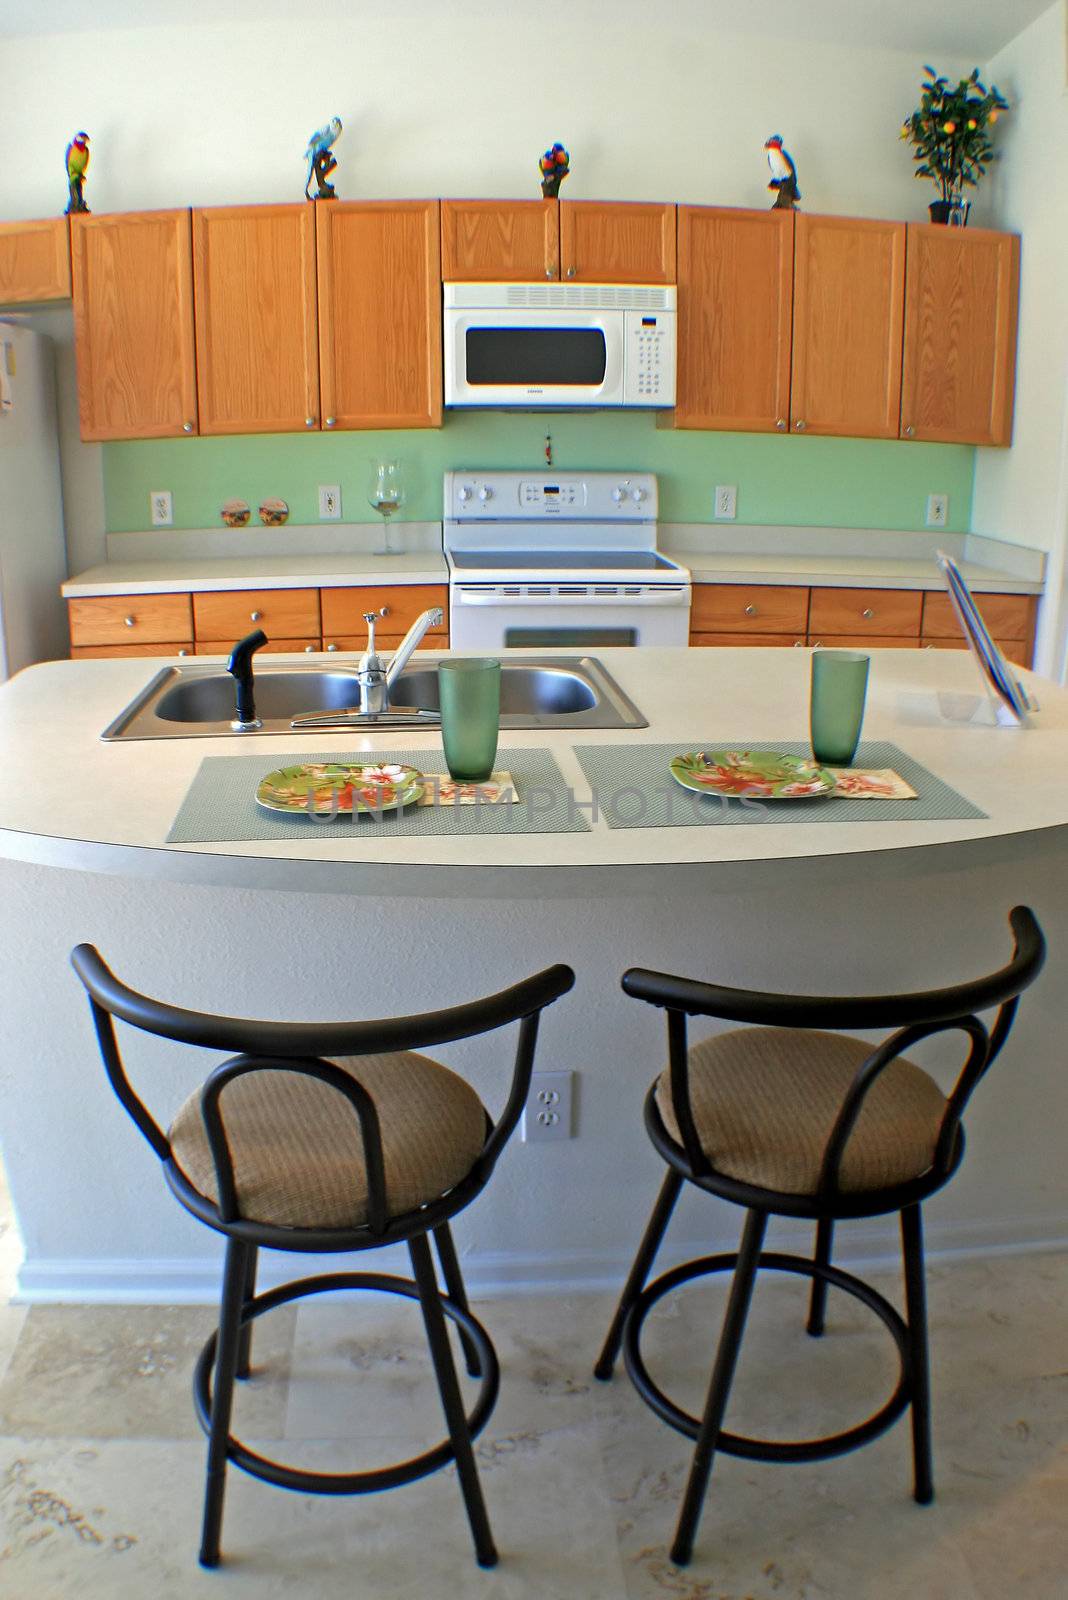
(844, 571)
(177, 576)
(67, 799)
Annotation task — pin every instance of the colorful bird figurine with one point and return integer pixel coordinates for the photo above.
(783, 174)
(554, 167)
(321, 161)
(77, 166)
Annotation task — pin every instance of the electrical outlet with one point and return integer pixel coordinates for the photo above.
(726, 502)
(329, 502)
(547, 1113)
(937, 510)
(161, 506)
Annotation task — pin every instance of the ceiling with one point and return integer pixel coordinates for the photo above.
(972, 29)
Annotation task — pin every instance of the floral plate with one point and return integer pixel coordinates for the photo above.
(341, 788)
(756, 774)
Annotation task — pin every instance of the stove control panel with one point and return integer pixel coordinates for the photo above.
(568, 496)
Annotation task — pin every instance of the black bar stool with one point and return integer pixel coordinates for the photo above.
(332, 1136)
(785, 1119)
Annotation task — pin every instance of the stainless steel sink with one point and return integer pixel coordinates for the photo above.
(198, 701)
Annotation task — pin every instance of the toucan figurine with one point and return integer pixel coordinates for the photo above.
(321, 161)
(783, 174)
(77, 166)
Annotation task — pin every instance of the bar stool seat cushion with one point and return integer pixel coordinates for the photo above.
(765, 1100)
(296, 1145)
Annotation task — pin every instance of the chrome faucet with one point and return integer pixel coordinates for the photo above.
(376, 680)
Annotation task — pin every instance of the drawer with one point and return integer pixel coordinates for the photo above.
(866, 613)
(222, 647)
(1009, 615)
(356, 643)
(861, 641)
(749, 608)
(1016, 650)
(281, 613)
(734, 640)
(85, 652)
(398, 604)
(130, 619)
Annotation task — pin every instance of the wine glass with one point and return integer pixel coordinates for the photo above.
(385, 494)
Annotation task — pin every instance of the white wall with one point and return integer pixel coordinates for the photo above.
(1022, 494)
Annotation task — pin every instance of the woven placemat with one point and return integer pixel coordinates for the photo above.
(220, 803)
(634, 789)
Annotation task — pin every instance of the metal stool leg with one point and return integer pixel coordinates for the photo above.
(451, 1400)
(817, 1304)
(454, 1284)
(235, 1277)
(916, 1308)
(643, 1261)
(730, 1341)
(244, 1353)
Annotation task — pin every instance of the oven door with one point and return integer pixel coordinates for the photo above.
(521, 357)
(502, 616)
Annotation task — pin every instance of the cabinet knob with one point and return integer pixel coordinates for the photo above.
(750, 611)
(548, 272)
(383, 611)
(780, 423)
(909, 431)
(800, 425)
(183, 652)
(571, 272)
(309, 422)
(187, 427)
(129, 621)
(799, 644)
(255, 616)
(867, 613)
(309, 649)
(331, 647)
(331, 422)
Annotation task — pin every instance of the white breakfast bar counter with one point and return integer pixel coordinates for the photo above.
(372, 926)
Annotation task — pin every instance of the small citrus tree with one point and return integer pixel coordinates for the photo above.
(951, 130)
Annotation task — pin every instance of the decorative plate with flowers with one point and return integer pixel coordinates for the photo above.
(754, 774)
(339, 788)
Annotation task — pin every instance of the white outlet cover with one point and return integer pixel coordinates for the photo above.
(725, 502)
(161, 508)
(547, 1113)
(937, 510)
(330, 502)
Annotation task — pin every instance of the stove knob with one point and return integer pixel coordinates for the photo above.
(619, 494)
(637, 495)
(463, 494)
(485, 493)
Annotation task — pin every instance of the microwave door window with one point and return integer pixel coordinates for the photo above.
(519, 357)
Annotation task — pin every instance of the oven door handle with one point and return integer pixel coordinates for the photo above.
(668, 595)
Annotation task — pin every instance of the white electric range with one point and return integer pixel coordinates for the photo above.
(570, 559)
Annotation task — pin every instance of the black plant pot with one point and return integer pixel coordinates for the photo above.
(940, 210)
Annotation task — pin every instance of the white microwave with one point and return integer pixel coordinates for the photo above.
(555, 346)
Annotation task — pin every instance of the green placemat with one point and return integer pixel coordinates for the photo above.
(635, 789)
(220, 803)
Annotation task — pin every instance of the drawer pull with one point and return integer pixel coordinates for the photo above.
(187, 427)
(800, 425)
(309, 649)
(909, 431)
(309, 422)
(750, 611)
(331, 422)
(571, 272)
(867, 614)
(548, 272)
(255, 616)
(331, 647)
(780, 423)
(183, 652)
(129, 621)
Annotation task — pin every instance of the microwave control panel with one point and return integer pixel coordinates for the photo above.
(649, 371)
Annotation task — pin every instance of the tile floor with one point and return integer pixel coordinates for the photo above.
(101, 1461)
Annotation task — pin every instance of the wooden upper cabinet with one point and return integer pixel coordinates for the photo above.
(961, 293)
(34, 261)
(849, 300)
(735, 313)
(499, 241)
(133, 325)
(379, 313)
(256, 331)
(628, 242)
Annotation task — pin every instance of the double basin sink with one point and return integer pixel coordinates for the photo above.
(198, 701)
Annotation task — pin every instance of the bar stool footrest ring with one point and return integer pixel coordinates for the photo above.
(769, 1449)
(288, 1477)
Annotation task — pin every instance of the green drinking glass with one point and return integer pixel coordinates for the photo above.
(836, 706)
(470, 696)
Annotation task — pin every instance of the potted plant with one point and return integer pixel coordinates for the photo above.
(951, 130)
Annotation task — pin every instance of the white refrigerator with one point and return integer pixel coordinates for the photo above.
(33, 552)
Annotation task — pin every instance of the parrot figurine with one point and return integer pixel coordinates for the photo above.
(783, 174)
(320, 159)
(554, 167)
(77, 166)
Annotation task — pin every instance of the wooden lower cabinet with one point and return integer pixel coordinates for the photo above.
(758, 608)
(396, 606)
(866, 613)
(281, 613)
(168, 647)
(130, 619)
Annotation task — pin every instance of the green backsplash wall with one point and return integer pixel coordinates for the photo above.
(858, 483)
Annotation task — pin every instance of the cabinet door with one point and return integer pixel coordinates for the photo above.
(849, 301)
(133, 325)
(749, 608)
(129, 619)
(961, 292)
(874, 614)
(617, 243)
(257, 339)
(736, 272)
(34, 261)
(380, 313)
(499, 241)
(397, 607)
(232, 613)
